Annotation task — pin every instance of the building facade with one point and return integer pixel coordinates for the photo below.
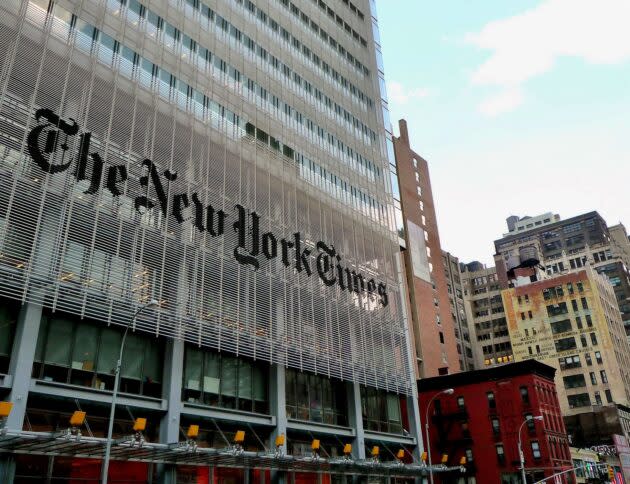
(432, 322)
(458, 310)
(231, 161)
(484, 416)
(568, 245)
(572, 322)
(486, 315)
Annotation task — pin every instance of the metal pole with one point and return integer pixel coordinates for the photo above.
(520, 453)
(112, 410)
(448, 391)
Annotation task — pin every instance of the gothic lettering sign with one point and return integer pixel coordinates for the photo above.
(52, 135)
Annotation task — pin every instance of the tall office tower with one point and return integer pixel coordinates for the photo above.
(562, 246)
(458, 311)
(486, 316)
(230, 160)
(572, 322)
(433, 325)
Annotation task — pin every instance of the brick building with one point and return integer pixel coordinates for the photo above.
(433, 325)
(481, 419)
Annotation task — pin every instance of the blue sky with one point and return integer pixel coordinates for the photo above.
(520, 107)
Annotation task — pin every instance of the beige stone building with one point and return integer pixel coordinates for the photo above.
(572, 322)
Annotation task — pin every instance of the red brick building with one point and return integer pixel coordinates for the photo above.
(430, 309)
(480, 420)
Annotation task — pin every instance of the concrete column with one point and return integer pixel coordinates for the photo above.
(172, 393)
(355, 419)
(277, 403)
(21, 365)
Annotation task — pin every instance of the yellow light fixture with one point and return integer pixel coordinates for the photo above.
(424, 457)
(375, 451)
(5, 409)
(444, 458)
(77, 418)
(400, 455)
(462, 461)
(140, 424)
(239, 438)
(315, 445)
(193, 432)
(347, 449)
(280, 440)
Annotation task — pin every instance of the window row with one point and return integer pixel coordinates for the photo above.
(203, 58)
(317, 30)
(315, 398)
(207, 15)
(225, 381)
(168, 86)
(78, 352)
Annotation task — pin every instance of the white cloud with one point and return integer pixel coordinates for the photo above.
(528, 44)
(399, 94)
(506, 100)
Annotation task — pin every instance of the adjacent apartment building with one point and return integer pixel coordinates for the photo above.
(572, 322)
(225, 168)
(484, 310)
(487, 414)
(563, 246)
(458, 311)
(431, 318)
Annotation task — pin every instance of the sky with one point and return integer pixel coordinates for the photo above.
(520, 107)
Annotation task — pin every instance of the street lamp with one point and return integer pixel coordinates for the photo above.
(108, 444)
(448, 391)
(520, 446)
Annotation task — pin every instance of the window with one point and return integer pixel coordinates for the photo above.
(579, 400)
(584, 303)
(469, 455)
(460, 403)
(224, 381)
(603, 375)
(491, 401)
(77, 352)
(8, 319)
(589, 321)
(536, 450)
(500, 454)
(598, 357)
(594, 339)
(578, 321)
(557, 309)
(565, 344)
(561, 326)
(587, 357)
(381, 410)
(441, 337)
(524, 395)
(583, 341)
(593, 377)
(574, 305)
(531, 423)
(598, 398)
(496, 429)
(569, 362)
(574, 381)
(609, 398)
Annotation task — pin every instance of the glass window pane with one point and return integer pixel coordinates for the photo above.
(83, 354)
(59, 342)
(108, 351)
(212, 377)
(245, 380)
(393, 408)
(39, 350)
(260, 385)
(229, 373)
(192, 369)
(152, 368)
(8, 318)
(133, 356)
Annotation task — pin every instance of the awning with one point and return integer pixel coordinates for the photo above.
(183, 453)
